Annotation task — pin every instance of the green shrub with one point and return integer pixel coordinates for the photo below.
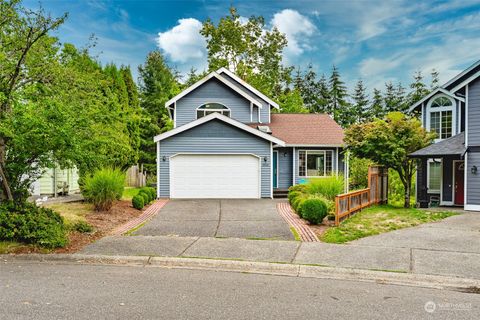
(28, 223)
(83, 227)
(146, 197)
(104, 187)
(314, 210)
(292, 195)
(328, 187)
(298, 187)
(138, 202)
(151, 192)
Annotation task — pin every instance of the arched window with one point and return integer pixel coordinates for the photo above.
(440, 116)
(208, 108)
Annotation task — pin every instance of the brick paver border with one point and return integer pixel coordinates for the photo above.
(149, 213)
(306, 234)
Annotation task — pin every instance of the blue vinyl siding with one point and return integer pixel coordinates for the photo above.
(264, 112)
(212, 91)
(473, 180)
(474, 113)
(473, 132)
(215, 137)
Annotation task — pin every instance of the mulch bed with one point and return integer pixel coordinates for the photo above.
(103, 223)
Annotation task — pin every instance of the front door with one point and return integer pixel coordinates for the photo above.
(459, 168)
(275, 169)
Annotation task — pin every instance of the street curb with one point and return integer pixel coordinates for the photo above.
(267, 268)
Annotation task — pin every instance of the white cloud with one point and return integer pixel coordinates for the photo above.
(183, 42)
(297, 28)
(374, 66)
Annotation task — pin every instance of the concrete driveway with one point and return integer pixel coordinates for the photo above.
(254, 219)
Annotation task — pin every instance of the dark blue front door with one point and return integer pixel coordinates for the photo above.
(275, 169)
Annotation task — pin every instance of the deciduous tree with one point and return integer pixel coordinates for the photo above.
(389, 142)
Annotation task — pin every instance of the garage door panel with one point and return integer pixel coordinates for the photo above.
(215, 176)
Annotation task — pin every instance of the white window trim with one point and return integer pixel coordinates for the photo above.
(435, 191)
(220, 111)
(313, 152)
(451, 108)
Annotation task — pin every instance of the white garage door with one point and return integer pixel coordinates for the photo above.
(214, 176)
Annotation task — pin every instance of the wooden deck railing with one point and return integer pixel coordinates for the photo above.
(351, 202)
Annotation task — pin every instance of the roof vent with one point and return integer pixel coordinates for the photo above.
(265, 129)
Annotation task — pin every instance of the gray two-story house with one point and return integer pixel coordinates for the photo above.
(447, 171)
(227, 143)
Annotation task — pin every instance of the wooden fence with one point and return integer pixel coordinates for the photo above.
(351, 202)
(135, 177)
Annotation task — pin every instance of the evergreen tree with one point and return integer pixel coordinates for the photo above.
(435, 79)
(360, 105)
(192, 77)
(338, 105)
(309, 89)
(158, 83)
(402, 104)
(377, 106)
(390, 98)
(324, 97)
(419, 89)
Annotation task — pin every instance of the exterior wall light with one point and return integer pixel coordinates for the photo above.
(285, 154)
(474, 170)
(264, 159)
(164, 158)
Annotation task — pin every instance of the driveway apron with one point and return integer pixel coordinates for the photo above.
(257, 219)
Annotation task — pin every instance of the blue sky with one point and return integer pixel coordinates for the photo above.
(377, 41)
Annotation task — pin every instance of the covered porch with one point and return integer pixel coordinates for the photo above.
(441, 173)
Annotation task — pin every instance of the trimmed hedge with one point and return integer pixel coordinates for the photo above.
(146, 197)
(314, 210)
(151, 192)
(30, 224)
(138, 202)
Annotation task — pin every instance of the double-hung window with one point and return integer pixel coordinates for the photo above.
(315, 163)
(208, 108)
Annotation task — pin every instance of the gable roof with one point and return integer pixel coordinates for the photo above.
(462, 74)
(300, 129)
(452, 146)
(248, 86)
(431, 94)
(223, 118)
(205, 79)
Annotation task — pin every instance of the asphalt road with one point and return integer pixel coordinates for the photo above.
(65, 291)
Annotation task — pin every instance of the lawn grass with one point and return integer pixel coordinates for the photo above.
(380, 219)
(72, 212)
(7, 247)
(129, 193)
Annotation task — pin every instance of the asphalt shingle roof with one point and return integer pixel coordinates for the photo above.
(451, 146)
(305, 129)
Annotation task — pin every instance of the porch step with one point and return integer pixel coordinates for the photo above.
(280, 193)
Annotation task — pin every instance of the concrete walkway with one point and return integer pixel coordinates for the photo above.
(450, 247)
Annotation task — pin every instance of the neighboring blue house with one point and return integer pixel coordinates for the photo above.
(448, 169)
(226, 143)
